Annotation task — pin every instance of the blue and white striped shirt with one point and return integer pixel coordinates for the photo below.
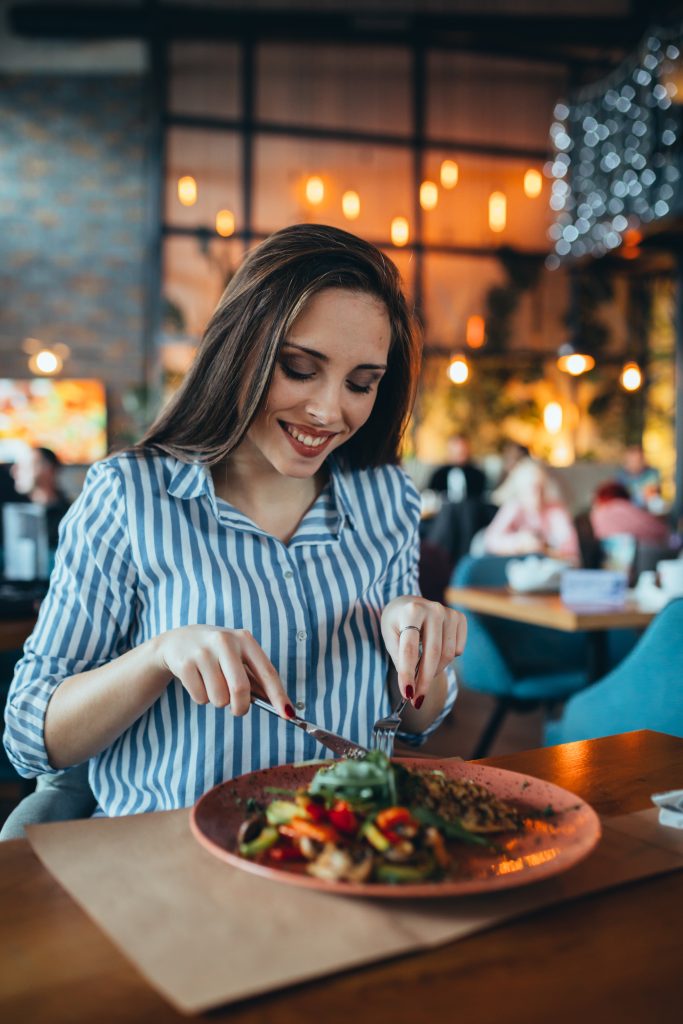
(148, 547)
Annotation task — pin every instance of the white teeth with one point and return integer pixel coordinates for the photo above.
(310, 442)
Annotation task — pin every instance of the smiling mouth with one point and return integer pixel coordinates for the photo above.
(310, 443)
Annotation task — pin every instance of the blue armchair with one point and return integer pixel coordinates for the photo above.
(645, 691)
(519, 665)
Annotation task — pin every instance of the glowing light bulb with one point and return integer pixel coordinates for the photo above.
(449, 174)
(429, 195)
(351, 205)
(631, 377)
(187, 190)
(552, 417)
(497, 211)
(225, 223)
(45, 362)
(533, 183)
(458, 370)
(577, 364)
(315, 190)
(400, 231)
(475, 331)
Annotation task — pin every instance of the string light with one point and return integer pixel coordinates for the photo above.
(497, 211)
(187, 190)
(475, 331)
(429, 195)
(315, 190)
(449, 174)
(533, 183)
(351, 205)
(225, 223)
(400, 231)
(615, 164)
(458, 370)
(631, 377)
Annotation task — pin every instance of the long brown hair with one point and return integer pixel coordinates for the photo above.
(229, 380)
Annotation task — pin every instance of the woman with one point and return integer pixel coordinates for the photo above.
(533, 518)
(613, 512)
(260, 538)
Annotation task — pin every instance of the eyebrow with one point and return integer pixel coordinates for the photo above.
(325, 359)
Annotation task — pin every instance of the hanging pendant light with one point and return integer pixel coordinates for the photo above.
(315, 190)
(571, 360)
(400, 231)
(351, 205)
(497, 211)
(458, 369)
(631, 376)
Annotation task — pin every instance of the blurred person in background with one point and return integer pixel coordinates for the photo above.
(643, 482)
(459, 478)
(511, 455)
(614, 512)
(36, 479)
(533, 517)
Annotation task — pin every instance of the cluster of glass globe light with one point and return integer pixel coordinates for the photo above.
(613, 164)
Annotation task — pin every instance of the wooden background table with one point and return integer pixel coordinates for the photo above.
(549, 610)
(13, 632)
(613, 957)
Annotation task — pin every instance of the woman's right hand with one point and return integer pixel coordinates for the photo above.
(221, 667)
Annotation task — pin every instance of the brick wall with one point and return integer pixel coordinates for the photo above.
(72, 225)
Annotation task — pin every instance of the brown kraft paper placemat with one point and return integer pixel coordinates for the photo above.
(205, 934)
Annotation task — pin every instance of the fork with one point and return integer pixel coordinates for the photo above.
(384, 730)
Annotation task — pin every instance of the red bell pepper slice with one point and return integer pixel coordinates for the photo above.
(342, 817)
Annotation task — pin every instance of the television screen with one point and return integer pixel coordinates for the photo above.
(68, 416)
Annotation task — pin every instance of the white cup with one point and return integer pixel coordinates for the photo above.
(671, 576)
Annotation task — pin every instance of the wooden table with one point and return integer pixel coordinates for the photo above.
(614, 956)
(13, 632)
(547, 610)
(550, 611)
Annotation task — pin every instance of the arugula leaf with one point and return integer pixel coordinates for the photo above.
(450, 829)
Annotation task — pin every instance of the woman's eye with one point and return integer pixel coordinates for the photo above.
(293, 374)
(359, 389)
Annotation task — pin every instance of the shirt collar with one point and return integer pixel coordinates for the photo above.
(189, 480)
(340, 491)
(193, 480)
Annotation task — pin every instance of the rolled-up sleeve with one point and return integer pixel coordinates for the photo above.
(402, 579)
(85, 618)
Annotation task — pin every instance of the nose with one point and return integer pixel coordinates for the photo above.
(325, 404)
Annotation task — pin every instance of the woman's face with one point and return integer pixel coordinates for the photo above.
(325, 381)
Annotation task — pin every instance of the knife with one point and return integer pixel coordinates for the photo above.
(338, 744)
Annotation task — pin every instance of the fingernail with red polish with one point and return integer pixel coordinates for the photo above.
(410, 692)
(289, 711)
(419, 702)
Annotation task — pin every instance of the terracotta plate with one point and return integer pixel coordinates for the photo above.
(550, 842)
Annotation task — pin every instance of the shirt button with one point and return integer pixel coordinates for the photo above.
(301, 635)
(289, 574)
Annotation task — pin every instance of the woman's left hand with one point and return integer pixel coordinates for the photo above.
(410, 621)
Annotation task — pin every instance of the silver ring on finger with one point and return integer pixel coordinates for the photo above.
(402, 631)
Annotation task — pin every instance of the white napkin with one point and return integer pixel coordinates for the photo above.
(534, 573)
(670, 807)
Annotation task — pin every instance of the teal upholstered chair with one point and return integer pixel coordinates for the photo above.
(645, 691)
(519, 665)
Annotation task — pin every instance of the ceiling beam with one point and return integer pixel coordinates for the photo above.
(564, 38)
